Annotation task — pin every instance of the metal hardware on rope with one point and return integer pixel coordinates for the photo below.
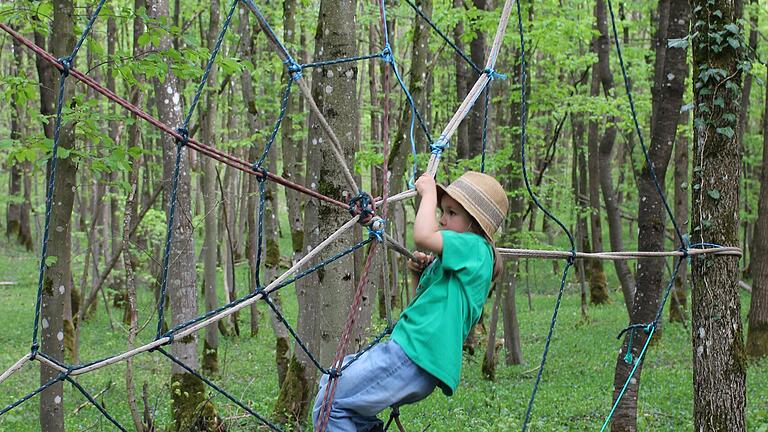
(376, 228)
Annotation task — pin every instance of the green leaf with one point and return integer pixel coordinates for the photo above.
(51, 260)
(732, 27)
(733, 42)
(727, 131)
(714, 194)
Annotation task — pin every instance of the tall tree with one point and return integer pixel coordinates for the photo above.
(186, 391)
(679, 294)
(322, 312)
(651, 212)
(209, 186)
(477, 48)
(757, 336)
(58, 271)
(719, 358)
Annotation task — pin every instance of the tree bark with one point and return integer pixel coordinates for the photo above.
(186, 391)
(610, 198)
(209, 180)
(719, 357)
(322, 315)
(757, 336)
(58, 273)
(651, 212)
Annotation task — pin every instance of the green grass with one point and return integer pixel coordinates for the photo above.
(575, 393)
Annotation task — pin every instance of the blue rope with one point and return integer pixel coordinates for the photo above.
(209, 65)
(169, 232)
(260, 229)
(523, 114)
(445, 38)
(341, 60)
(66, 63)
(220, 390)
(278, 123)
(34, 393)
(95, 403)
(628, 88)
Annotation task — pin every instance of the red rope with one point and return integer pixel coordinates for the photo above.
(209, 151)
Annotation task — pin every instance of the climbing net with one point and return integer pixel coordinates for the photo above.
(362, 207)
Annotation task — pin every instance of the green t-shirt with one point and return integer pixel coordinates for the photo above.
(448, 302)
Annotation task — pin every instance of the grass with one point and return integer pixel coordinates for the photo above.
(575, 393)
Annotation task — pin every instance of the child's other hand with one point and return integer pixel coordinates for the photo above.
(420, 263)
(425, 184)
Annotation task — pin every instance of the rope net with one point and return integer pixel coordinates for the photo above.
(362, 207)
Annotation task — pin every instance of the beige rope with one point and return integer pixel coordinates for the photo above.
(16, 366)
(624, 255)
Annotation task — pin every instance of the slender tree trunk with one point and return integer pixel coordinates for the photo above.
(740, 131)
(719, 357)
(462, 74)
(321, 317)
(477, 49)
(679, 298)
(757, 336)
(651, 212)
(186, 391)
(610, 198)
(58, 272)
(209, 180)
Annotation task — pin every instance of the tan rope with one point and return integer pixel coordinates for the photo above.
(16, 366)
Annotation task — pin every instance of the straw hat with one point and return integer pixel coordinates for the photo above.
(482, 197)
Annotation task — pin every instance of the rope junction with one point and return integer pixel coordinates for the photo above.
(362, 207)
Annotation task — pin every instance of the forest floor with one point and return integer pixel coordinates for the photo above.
(575, 393)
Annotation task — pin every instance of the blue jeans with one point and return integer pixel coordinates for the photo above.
(380, 378)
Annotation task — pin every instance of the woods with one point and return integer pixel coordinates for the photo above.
(224, 165)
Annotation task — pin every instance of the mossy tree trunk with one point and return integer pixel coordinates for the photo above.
(324, 296)
(186, 391)
(669, 81)
(757, 336)
(719, 357)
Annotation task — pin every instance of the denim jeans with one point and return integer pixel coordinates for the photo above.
(380, 378)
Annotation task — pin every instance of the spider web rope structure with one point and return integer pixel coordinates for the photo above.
(362, 207)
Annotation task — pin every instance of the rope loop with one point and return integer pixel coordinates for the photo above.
(33, 351)
(571, 258)
(184, 132)
(66, 65)
(386, 54)
(261, 170)
(376, 228)
(362, 205)
(333, 373)
(437, 147)
(492, 74)
(686, 246)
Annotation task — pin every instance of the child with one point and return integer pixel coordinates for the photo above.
(425, 349)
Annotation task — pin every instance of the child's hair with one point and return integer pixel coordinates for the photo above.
(498, 262)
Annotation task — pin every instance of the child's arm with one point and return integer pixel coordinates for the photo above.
(425, 229)
(417, 266)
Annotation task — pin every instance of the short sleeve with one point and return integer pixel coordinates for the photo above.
(463, 250)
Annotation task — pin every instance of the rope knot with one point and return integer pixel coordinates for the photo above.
(66, 64)
(572, 257)
(334, 373)
(33, 351)
(261, 173)
(386, 54)
(294, 69)
(362, 205)
(438, 146)
(260, 290)
(376, 228)
(686, 246)
(492, 74)
(184, 132)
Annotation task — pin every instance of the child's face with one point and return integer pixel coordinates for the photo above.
(453, 216)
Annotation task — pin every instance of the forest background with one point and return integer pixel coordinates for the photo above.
(584, 159)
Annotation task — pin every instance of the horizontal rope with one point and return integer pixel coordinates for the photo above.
(616, 256)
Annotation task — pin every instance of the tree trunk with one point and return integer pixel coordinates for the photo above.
(651, 212)
(186, 391)
(757, 336)
(462, 77)
(477, 49)
(679, 298)
(58, 273)
(598, 285)
(610, 198)
(719, 358)
(209, 180)
(321, 317)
